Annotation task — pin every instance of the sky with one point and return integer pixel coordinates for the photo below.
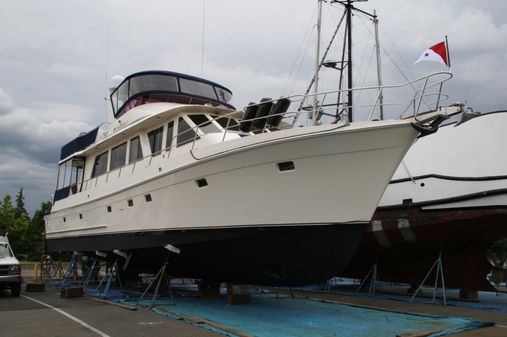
(57, 58)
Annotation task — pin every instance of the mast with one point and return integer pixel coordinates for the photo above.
(379, 67)
(317, 66)
(349, 8)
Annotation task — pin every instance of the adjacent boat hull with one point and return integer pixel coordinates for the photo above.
(406, 241)
(449, 196)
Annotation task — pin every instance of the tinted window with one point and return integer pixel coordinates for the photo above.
(203, 123)
(223, 95)
(64, 174)
(118, 156)
(169, 140)
(226, 122)
(185, 133)
(100, 166)
(155, 140)
(152, 82)
(123, 95)
(135, 152)
(197, 88)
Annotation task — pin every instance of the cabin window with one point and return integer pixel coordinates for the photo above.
(169, 140)
(203, 123)
(118, 156)
(100, 166)
(155, 140)
(64, 174)
(197, 88)
(223, 95)
(185, 133)
(152, 82)
(122, 95)
(135, 152)
(227, 123)
(70, 172)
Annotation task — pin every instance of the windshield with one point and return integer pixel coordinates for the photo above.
(5, 251)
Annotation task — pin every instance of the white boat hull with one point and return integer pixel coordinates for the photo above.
(245, 187)
(252, 223)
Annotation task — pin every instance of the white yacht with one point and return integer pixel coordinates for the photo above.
(244, 196)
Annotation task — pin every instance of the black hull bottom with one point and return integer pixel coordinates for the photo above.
(286, 256)
(411, 240)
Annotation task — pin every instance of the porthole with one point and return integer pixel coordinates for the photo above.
(201, 183)
(286, 166)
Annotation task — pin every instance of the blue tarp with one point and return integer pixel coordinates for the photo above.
(267, 316)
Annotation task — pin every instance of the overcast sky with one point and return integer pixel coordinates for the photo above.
(57, 56)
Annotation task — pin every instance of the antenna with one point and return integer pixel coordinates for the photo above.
(203, 26)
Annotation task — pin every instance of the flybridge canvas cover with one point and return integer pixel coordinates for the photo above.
(79, 143)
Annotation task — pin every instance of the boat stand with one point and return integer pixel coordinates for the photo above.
(90, 272)
(291, 293)
(112, 272)
(373, 283)
(52, 271)
(161, 275)
(71, 274)
(439, 274)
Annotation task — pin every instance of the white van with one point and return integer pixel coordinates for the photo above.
(10, 270)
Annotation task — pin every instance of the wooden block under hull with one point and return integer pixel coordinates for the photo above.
(35, 287)
(71, 292)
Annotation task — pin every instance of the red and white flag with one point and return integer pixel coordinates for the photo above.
(436, 53)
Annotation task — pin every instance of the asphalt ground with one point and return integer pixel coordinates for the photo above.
(47, 315)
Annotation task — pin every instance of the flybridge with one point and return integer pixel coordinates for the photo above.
(165, 86)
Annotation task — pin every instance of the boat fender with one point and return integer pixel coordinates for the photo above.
(262, 111)
(277, 111)
(429, 125)
(246, 124)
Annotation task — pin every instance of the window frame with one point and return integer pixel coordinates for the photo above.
(111, 157)
(94, 170)
(159, 137)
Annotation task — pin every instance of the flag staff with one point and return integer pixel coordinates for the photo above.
(448, 54)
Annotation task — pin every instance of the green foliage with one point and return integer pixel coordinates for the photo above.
(6, 214)
(20, 210)
(25, 234)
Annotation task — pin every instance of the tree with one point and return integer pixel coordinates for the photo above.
(7, 212)
(37, 229)
(20, 205)
(25, 234)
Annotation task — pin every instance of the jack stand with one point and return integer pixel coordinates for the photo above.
(439, 272)
(53, 271)
(71, 272)
(327, 287)
(109, 276)
(290, 292)
(89, 274)
(158, 277)
(373, 283)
